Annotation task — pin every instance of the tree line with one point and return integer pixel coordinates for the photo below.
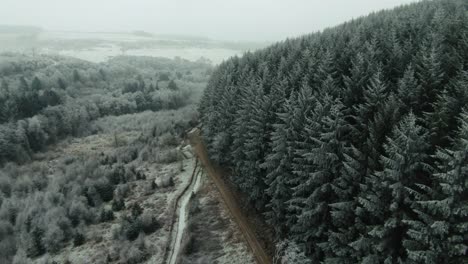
(353, 142)
(43, 211)
(48, 201)
(47, 98)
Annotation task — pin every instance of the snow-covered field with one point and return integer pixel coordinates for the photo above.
(102, 53)
(100, 46)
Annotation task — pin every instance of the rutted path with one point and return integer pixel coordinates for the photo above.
(231, 203)
(180, 224)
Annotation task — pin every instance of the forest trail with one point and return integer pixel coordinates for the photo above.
(179, 225)
(245, 227)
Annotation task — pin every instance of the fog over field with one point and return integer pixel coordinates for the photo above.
(241, 20)
(215, 30)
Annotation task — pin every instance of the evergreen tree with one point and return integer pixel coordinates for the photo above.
(61, 84)
(394, 191)
(248, 146)
(409, 91)
(221, 142)
(172, 86)
(4, 87)
(36, 84)
(365, 132)
(325, 76)
(341, 174)
(443, 121)
(278, 163)
(357, 79)
(325, 154)
(430, 74)
(395, 56)
(23, 86)
(36, 247)
(438, 235)
(76, 76)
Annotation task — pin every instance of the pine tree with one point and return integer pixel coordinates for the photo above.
(35, 245)
(325, 76)
(4, 98)
(225, 115)
(4, 87)
(396, 59)
(377, 185)
(36, 84)
(374, 97)
(325, 155)
(248, 146)
(278, 163)
(172, 86)
(438, 235)
(356, 81)
(394, 191)
(409, 91)
(443, 121)
(23, 86)
(76, 76)
(210, 111)
(61, 84)
(430, 74)
(343, 213)
(325, 69)
(365, 134)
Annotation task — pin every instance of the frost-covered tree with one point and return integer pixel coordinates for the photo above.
(324, 154)
(290, 252)
(36, 84)
(249, 146)
(400, 79)
(393, 192)
(438, 235)
(280, 177)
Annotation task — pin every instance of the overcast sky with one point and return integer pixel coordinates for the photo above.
(255, 20)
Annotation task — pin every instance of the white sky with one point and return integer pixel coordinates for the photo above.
(255, 20)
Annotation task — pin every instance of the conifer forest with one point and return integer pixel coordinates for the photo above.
(353, 142)
(234, 132)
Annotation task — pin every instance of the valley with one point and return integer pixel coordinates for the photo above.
(320, 132)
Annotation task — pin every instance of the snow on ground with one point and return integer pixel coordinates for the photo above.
(100, 239)
(216, 238)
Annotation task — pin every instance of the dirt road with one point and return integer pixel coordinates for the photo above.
(229, 199)
(178, 226)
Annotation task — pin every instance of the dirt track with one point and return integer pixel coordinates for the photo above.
(229, 199)
(176, 230)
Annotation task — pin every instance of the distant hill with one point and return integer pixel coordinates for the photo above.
(19, 29)
(140, 33)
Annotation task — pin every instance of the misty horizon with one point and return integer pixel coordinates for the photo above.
(261, 21)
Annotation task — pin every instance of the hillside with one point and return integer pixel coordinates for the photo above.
(46, 98)
(89, 159)
(353, 142)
